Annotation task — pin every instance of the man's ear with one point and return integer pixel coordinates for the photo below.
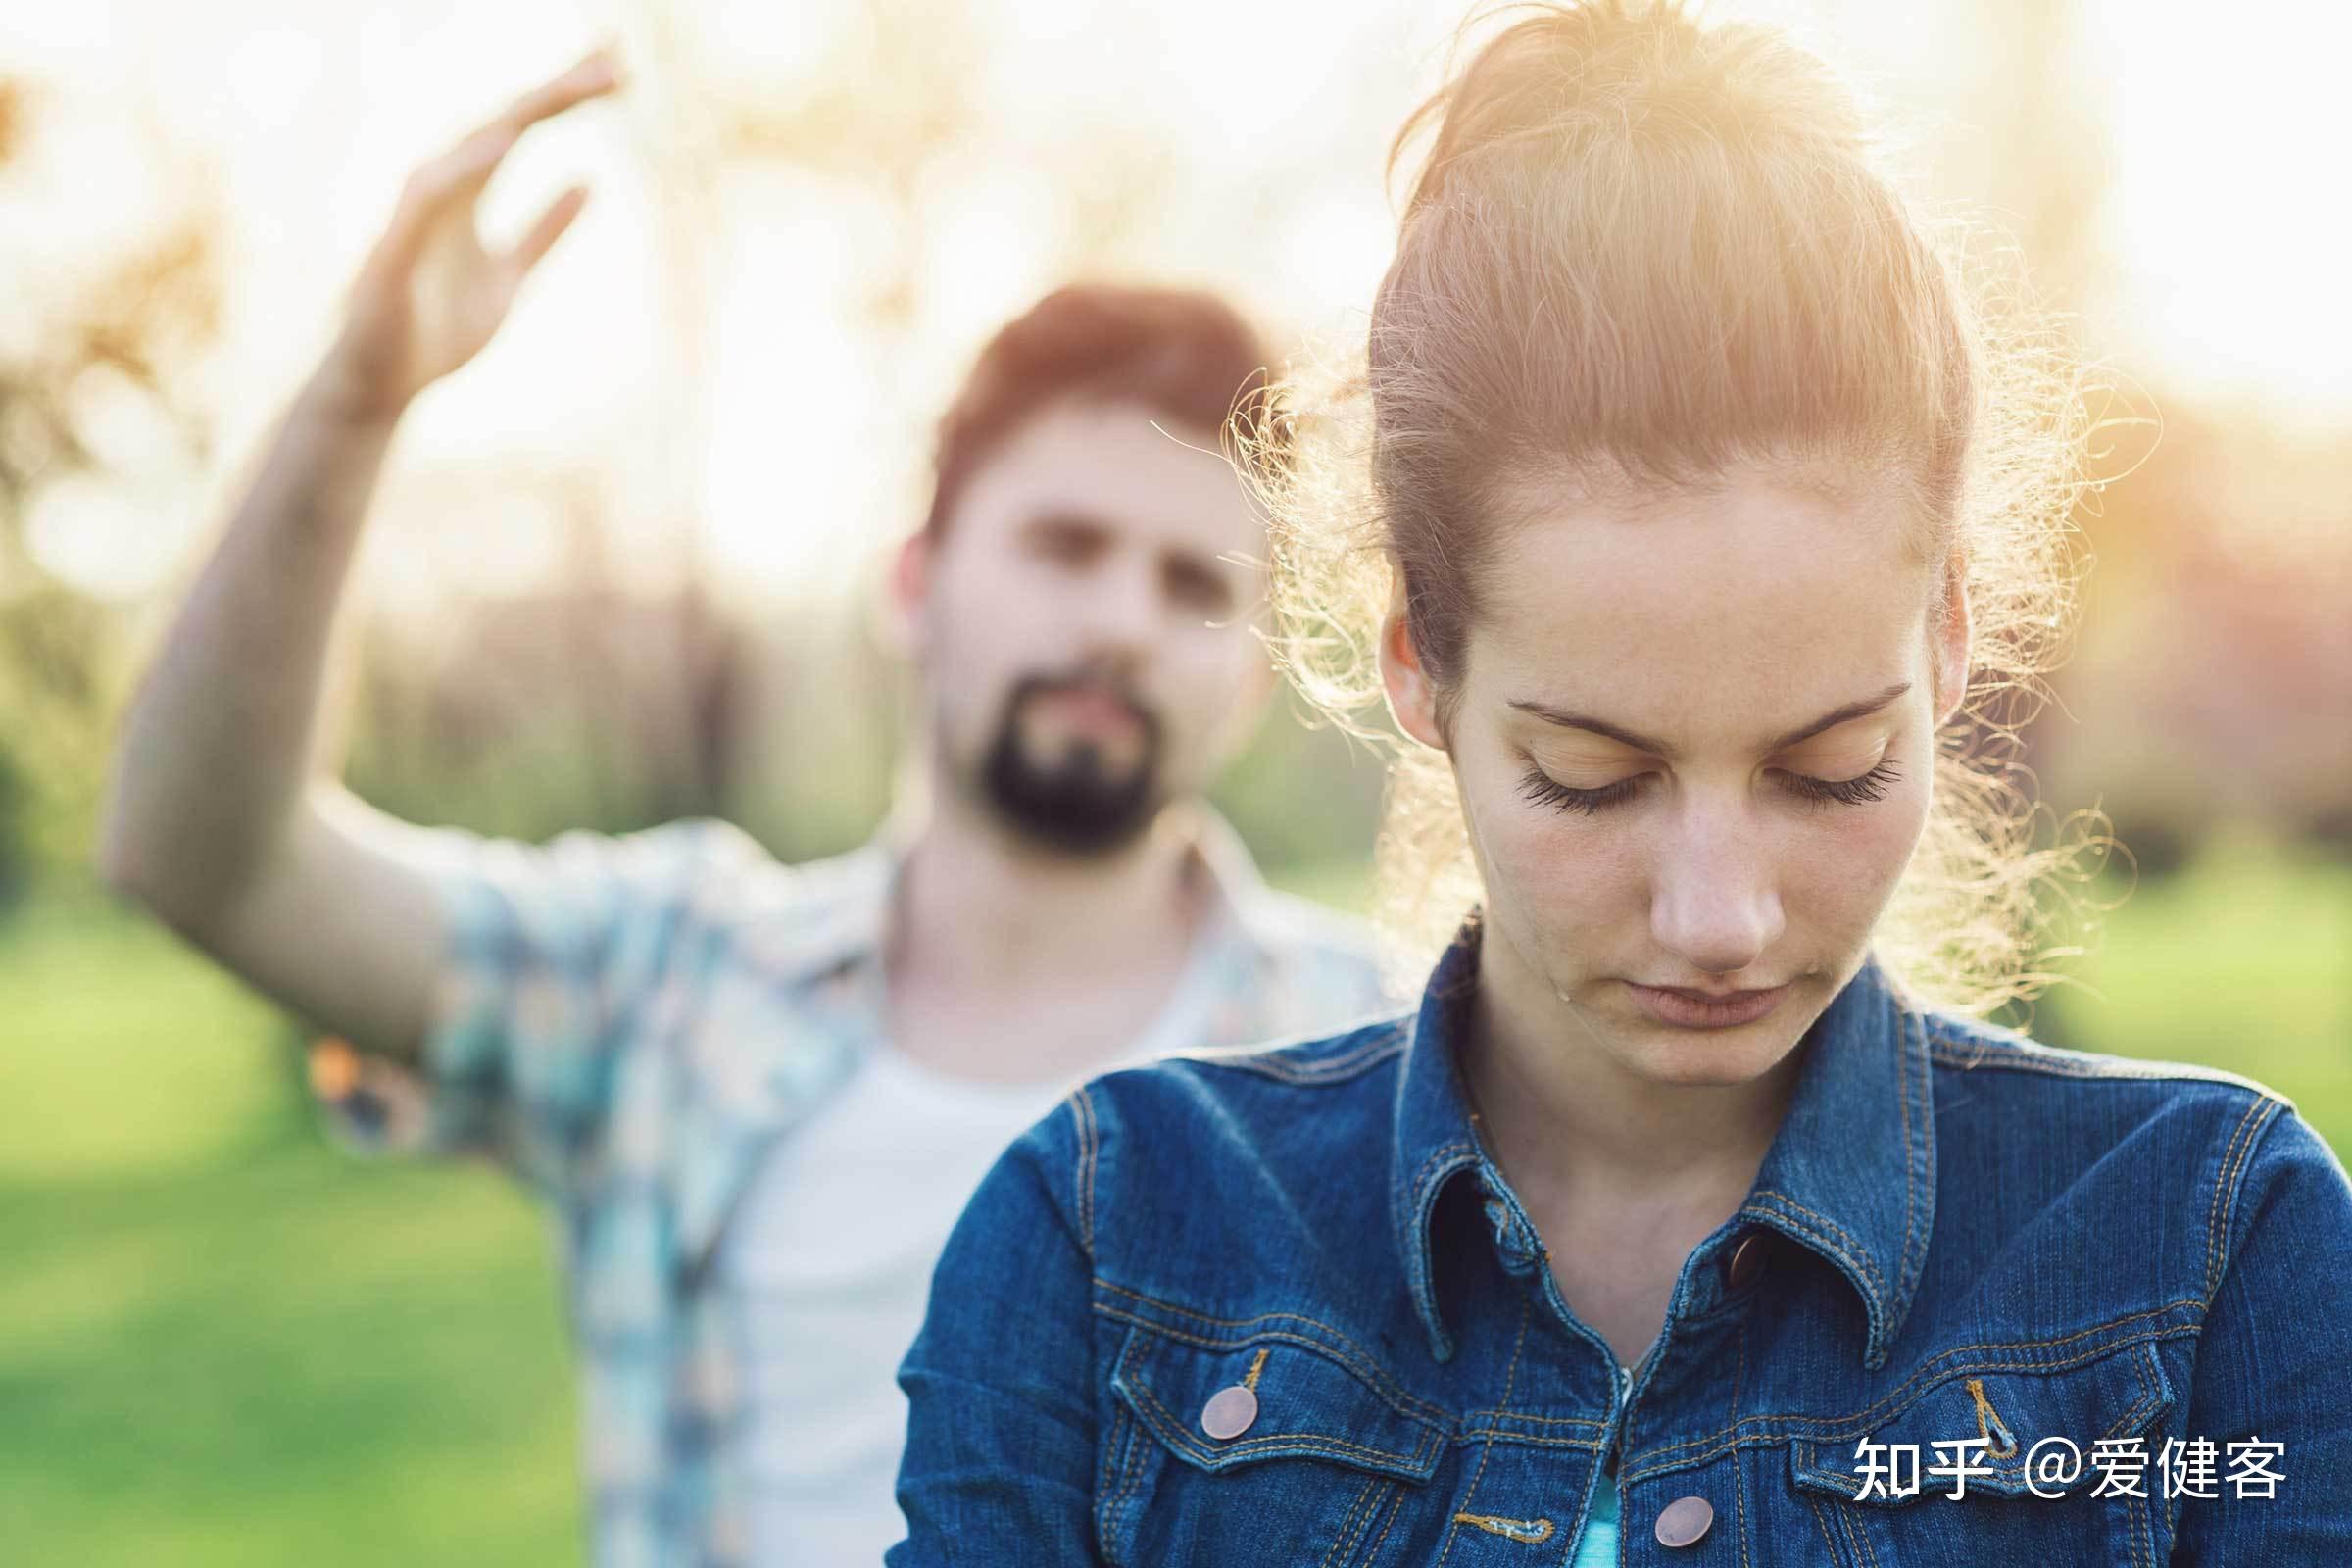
(1954, 635)
(910, 589)
(1412, 699)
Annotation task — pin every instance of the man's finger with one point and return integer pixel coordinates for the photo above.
(592, 78)
(458, 174)
(548, 229)
(467, 167)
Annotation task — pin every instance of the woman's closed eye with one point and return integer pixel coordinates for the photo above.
(1544, 790)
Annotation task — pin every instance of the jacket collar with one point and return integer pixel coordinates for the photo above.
(1850, 1176)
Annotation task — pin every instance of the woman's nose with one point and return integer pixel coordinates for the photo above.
(1715, 899)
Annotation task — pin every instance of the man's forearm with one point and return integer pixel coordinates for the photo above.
(216, 751)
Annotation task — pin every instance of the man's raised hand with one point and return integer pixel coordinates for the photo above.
(430, 295)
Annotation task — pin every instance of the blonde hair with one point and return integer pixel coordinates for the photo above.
(1642, 249)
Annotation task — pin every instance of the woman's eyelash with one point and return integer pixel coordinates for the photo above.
(1544, 790)
(1870, 786)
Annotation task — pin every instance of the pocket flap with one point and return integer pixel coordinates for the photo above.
(2026, 1415)
(1314, 1400)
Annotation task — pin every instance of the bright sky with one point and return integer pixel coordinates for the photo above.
(2230, 198)
(703, 348)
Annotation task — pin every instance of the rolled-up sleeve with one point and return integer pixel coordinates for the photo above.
(553, 954)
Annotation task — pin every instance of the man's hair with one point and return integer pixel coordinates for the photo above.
(1184, 354)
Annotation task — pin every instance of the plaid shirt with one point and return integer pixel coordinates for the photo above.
(629, 1023)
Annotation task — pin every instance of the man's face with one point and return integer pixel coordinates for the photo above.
(1084, 628)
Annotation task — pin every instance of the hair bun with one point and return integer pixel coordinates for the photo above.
(1569, 76)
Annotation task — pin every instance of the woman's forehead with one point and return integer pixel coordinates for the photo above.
(1753, 590)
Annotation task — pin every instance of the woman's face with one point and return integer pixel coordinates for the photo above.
(1693, 739)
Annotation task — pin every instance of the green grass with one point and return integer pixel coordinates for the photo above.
(224, 1343)
(2243, 961)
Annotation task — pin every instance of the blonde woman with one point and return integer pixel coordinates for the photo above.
(1691, 1218)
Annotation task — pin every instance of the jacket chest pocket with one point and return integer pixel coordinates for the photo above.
(1276, 1447)
(2033, 1492)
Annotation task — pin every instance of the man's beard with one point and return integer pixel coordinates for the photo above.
(1073, 802)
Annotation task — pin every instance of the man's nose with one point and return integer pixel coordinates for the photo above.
(1120, 608)
(1715, 901)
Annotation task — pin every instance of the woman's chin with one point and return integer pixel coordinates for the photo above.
(1711, 1058)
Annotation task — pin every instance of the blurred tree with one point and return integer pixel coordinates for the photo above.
(126, 324)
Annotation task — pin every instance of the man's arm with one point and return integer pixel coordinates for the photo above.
(216, 819)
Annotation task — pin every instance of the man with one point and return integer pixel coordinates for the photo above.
(757, 1097)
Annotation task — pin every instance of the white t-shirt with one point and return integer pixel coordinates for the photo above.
(832, 1253)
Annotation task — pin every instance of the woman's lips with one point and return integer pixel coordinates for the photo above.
(1691, 1010)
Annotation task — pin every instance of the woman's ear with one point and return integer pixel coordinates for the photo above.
(1953, 634)
(1411, 696)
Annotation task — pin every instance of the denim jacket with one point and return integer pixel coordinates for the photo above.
(1282, 1307)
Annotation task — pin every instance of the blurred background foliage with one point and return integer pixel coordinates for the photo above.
(624, 576)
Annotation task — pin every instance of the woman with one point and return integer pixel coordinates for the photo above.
(1678, 1223)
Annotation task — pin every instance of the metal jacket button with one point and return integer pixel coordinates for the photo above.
(1683, 1521)
(1748, 1260)
(1229, 1412)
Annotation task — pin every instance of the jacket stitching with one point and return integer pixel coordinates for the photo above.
(2217, 1223)
(1751, 1440)
(1335, 1069)
(1132, 1473)
(2137, 1508)
(1171, 1432)
(1919, 1163)
(1861, 1537)
(2005, 1057)
(1825, 1429)
(1902, 1046)
(1540, 1420)
(1423, 1185)
(1813, 1507)
(1773, 1428)
(2151, 1401)
(1345, 1351)
(1352, 1524)
(1739, 1479)
(1082, 1111)
(1396, 1507)
(1527, 1531)
(1126, 1437)
(1861, 1255)
(1103, 1472)
(1142, 1448)
(1424, 1175)
(1343, 1532)
(1511, 1379)
(1131, 1483)
(1529, 1439)
(1362, 1369)
(2220, 1185)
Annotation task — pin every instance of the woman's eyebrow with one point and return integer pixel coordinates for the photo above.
(1859, 709)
